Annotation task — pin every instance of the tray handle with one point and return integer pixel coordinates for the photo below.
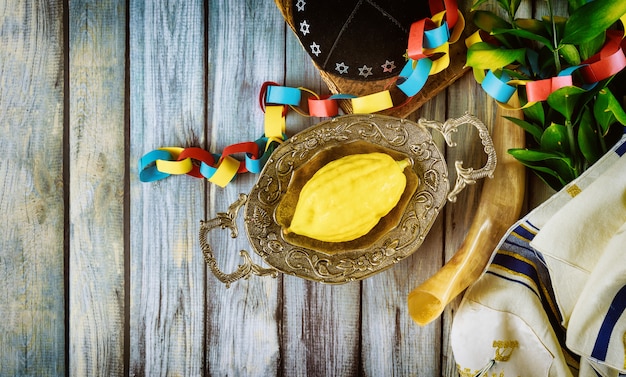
(225, 220)
(466, 176)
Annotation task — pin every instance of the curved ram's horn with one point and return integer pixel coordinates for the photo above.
(499, 207)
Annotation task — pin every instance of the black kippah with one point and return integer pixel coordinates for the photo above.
(357, 39)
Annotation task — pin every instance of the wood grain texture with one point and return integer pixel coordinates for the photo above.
(167, 303)
(464, 95)
(392, 344)
(32, 298)
(321, 324)
(97, 38)
(245, 48)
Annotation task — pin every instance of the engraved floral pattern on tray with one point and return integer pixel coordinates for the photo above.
(403, 136)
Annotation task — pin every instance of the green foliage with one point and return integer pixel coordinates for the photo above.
(485, 56)
(604, 14)
(574, 127)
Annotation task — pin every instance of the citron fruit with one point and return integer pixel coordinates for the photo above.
(347, 197)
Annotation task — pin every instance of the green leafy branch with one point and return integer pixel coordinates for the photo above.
(575, 126)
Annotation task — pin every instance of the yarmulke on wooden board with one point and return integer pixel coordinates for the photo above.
(359, 46)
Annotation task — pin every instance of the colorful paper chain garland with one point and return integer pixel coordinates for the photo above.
(427, 38)
(607, 62)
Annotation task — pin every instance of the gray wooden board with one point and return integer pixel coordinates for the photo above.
(97, 37)
(32, 298)
(167, 97)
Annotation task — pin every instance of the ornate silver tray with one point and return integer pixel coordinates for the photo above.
(399, 234)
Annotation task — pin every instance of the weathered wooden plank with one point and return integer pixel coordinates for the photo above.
(321, 328)
(245, 48)
(167, 97)
(97, 37)
(392, 344)
(464, 95)
(32, 300)
(321, 323)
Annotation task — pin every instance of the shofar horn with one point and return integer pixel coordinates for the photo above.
(499, 207)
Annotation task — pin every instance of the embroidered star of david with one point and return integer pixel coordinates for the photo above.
(315, 49)
(365, 71)
(388, 66)
(304, 28)
(300, 5)
(341, 68)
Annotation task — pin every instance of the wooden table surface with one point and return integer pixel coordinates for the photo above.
(103, 275)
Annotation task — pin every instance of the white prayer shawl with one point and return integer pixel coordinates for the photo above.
(576, 237)
(535, 313)
(597, 327)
